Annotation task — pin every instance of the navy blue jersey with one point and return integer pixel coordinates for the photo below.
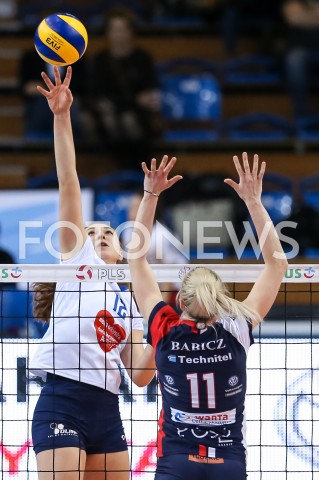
(202, 376)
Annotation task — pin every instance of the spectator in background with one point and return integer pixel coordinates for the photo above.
(126, 98)
(38, 124)
(302, 56)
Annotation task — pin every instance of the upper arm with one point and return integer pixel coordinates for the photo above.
(146, 290)
(71, 233)
(265, 290)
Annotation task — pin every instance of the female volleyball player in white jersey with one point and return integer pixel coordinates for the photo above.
(77, 431)
(201, 354)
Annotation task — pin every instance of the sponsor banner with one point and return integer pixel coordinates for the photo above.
(164, 273)
(28, 223)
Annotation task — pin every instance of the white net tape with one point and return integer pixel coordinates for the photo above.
(235, 273)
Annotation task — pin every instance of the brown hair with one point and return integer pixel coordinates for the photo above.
(43, 294)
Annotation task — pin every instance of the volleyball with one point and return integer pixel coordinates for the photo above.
(61, 39)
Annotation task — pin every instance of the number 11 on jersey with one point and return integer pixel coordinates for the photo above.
(210, 388)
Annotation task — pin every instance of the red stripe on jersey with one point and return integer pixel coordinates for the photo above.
(202, 450)
(160, 435)
(163, 321)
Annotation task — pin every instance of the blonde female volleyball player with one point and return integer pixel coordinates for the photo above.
(77, 431)
(201, 354)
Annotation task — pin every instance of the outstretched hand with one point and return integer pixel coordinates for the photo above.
(156, 180)
(59, 95)
(250, 180)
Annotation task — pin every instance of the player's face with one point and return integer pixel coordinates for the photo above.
(106, 242)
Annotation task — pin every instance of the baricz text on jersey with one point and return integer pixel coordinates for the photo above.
(192, 347)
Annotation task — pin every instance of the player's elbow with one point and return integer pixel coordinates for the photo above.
(282, 265)
(141, 378)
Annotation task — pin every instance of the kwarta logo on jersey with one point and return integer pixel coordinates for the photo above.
(205, 419)
(84, 273)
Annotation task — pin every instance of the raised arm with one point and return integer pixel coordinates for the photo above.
(249, 189)
(146, 289)
(72, 233)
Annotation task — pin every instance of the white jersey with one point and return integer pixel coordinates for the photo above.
(89, 327)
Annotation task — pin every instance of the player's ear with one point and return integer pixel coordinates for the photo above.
(181, 304)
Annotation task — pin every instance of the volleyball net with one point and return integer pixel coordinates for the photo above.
(282, 403)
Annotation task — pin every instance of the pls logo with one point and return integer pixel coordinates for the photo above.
(108, 333)
(84, 273)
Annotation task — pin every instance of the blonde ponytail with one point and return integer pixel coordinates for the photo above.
(205, 296)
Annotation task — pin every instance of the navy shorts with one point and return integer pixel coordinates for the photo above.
(189, 467)
(73, 414)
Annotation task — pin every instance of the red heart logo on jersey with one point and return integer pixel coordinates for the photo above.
(108, 333)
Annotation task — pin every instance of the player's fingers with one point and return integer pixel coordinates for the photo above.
(47, 81)
(170, 165)
(57, 76)
(174, 180)
(69, 94)
(145, 169)
(68, 76)
(231, 183)
(153, 165)
(163, 162)
(245, 162)
(255, 165)
(43, 91)
(237, 165)
(262, 170)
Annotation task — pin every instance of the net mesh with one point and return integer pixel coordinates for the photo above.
(282, 402)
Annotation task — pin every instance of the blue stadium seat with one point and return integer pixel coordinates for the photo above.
(120, 180)
(191, 99)
(50, 180)
(260, 126)
(277, 196)
(113, 193)
(309, 190)
(307, 128)
(251, 70)
(195, 99)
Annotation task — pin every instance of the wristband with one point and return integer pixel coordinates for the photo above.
(152, 193)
